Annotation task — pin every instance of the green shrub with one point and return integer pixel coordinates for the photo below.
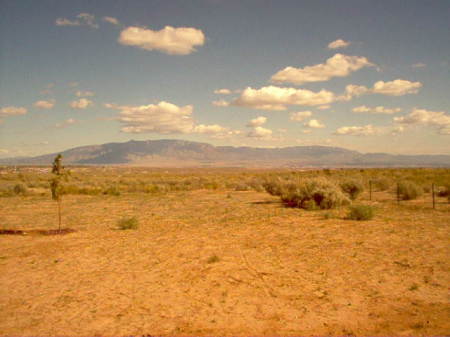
(360, 212)
(310, 194)
(20, 189)
(352, 188)
(409, 190)
(128, 223)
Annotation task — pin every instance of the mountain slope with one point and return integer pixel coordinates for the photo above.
(167, 152)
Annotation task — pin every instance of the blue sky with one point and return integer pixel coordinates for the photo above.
(372, 76)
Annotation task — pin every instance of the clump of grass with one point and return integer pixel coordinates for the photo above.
(409, 190)
(20, 189)
(352, 188)
(213, 259)
(112, 190)
(128, 223)
(360, 212)
(382, 184)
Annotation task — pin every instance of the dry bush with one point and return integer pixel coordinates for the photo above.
(409, 190)
(312, 193)
(382, 184)
(360, 212)
(352, 188)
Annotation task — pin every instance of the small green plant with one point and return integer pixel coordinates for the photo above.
(20, 188)
(128, 223)
(360, 212)
(409, 190)
(352, 188)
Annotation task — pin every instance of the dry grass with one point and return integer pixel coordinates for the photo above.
(223, 262)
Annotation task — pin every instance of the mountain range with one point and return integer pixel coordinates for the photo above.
(181, 153)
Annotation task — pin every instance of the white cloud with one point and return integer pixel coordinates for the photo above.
(300, 115)
(397, 87)
(260, 132)
(221, 103)
(82, 103)
(338, 44)
(376, 110)
(314, 124)
(397, 130)
(258, 121)
(66, 123)
(12, 111)
(337, 66)
(82, 19)
(165, 118)
(366, 130)
(276, 98)
(86, 93)
(324, 107)
(169, 40)
(222, 91)
(437, 119)
(111, 20)
(45, 104)
(419, 65)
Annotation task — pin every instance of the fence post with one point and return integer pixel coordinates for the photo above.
(398, 194)
(370, 190)
(432, 192)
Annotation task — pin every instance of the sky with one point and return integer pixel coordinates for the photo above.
(371, 76)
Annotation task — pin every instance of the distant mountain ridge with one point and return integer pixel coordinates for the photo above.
(182, 153)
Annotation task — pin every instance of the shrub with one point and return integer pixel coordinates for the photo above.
(382, 184)
(360, 212)
(112, 190)
(242, 187)
(273, 187)
(409, 190)
(128, 223)
(313, 193)
(352, 188)
(444, 191)
(20, 189)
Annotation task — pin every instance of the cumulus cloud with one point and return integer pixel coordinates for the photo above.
(222, 91)
(437, 119)
(338, 65)
(397, 87)
(82, 103)
(376, 110)
(221, 103)
(86, 93)
(366, 130)
(12, 111)
(258, 121)
(164, 118)
(169, 40)
(259, 132)
(314, 124)
(300, 116)
(82, 19)
(338, 44)
(66, 123)
(276, 98)
(111, 20)
(45, 104)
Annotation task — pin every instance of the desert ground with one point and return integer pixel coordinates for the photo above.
(220, 260)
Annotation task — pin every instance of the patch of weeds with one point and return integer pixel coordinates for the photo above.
(213, 259)
(128, 223)
(414, 286)
(360, 212)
